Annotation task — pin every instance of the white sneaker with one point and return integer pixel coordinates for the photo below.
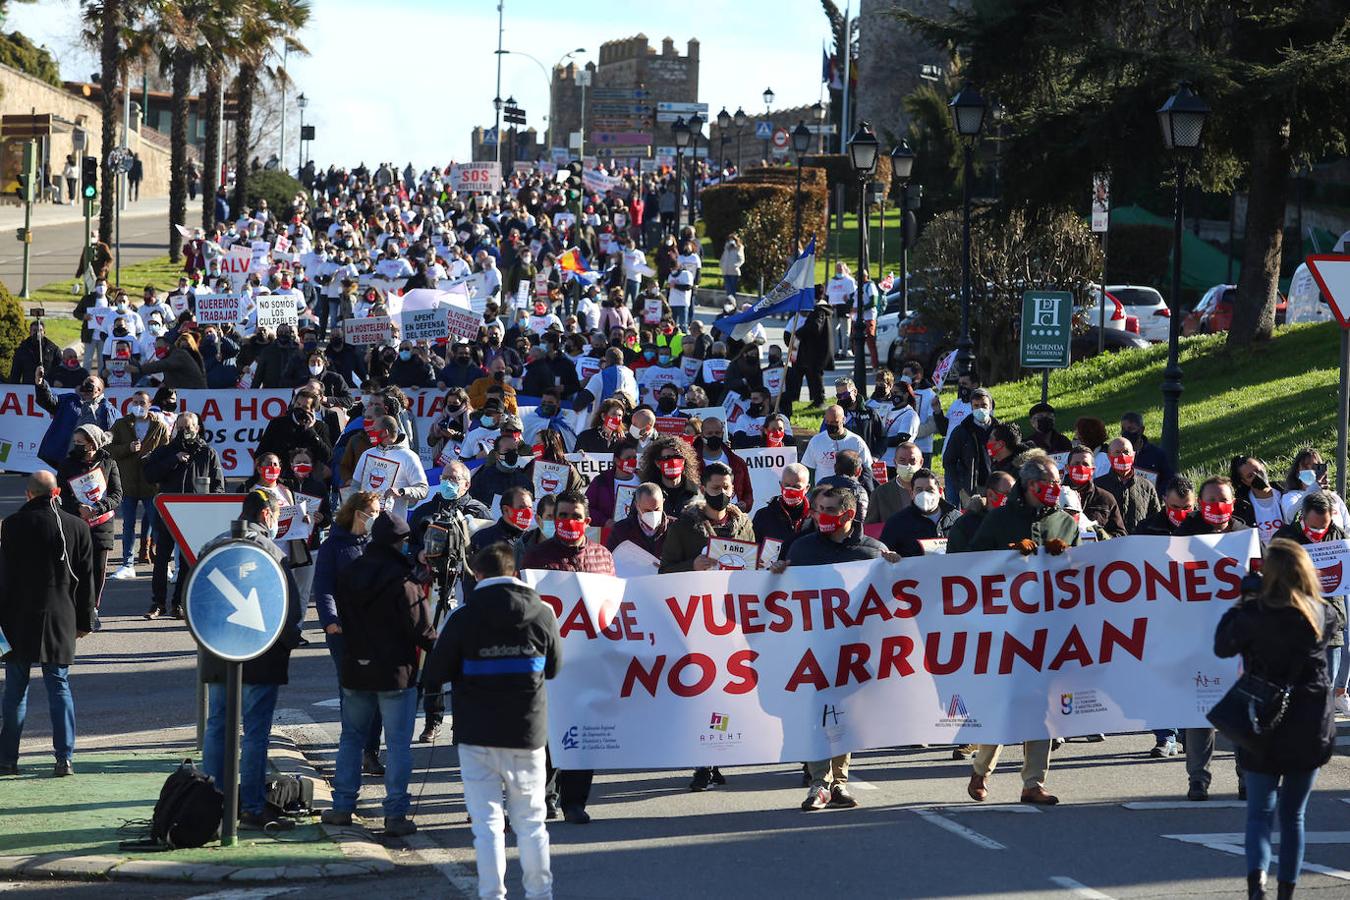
(125, 572)
(173, 574)
(1343, 704)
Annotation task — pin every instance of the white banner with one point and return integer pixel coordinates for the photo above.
(477, 176)
(766, 466)
(424, 324)
(370, 330)
(218, 309)
(738, 668)
(275, 310)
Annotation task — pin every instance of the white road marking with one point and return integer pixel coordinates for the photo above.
(1023, 808)
(862, 785)
(329, 704)
(1185, 804)
(1078, 889)
(1232, 843)
(457, 874)
(960, 830)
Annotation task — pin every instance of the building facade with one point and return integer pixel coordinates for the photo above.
(890, 56)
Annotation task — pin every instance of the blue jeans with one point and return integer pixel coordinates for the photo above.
(59, 702)
(335, 644)
(1262, 792)
(128, 514)
(1333, 664)
(731, 282)
(399, 711)
(1165, 734)
(257, 705)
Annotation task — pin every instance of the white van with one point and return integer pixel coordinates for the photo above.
(1306, 303)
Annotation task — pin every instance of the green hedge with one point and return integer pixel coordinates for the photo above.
(13, 328)
(278, 188)
(762, 213)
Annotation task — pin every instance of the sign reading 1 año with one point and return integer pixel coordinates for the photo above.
(1047, 329)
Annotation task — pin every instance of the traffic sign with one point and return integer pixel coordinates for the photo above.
(620, 94)
(1047, 329)
(780, 138)
(684, 109)
(235, 600)
(763, 129)
(1332, 274)
(195, 520)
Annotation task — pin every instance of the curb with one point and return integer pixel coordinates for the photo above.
(361, 854)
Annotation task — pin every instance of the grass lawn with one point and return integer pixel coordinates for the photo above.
(1268, 401)
(57, 296)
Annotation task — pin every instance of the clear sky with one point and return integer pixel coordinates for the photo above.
(407, 80)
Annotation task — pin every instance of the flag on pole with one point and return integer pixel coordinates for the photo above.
(796, 292)
(572, 262)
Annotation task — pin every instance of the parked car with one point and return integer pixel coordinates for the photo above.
(911, 338)
(1214, 313)
(1306, 303)
(1146, 305)
(1085, 345)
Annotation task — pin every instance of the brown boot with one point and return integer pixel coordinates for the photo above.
(1038, 796)
(978, 788)
(143, 553)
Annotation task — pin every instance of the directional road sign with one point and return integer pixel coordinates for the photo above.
(1332, 274)
(236, 601)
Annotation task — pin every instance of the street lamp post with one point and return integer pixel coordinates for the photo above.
(723, 123)
(801, 142)
(968, 113)
(1182, 119)
(680, 129)
(818, 110)
(863, 149)
(497, 129)
(902, 166)
(768, 107)
(302, 101)
(739, 120)
(695, 132)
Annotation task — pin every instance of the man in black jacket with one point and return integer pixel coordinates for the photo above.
(300, 428)
(263, 678)
(930, 517)
(385, 620)
(46, 604)
(497, 650)
(788, 514)
(35, 352)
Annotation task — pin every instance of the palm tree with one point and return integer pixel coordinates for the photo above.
(264, 24)
(106, 24)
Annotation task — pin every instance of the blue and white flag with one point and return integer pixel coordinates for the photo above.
(795, 293)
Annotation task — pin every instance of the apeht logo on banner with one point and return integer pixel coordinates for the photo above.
(719, 733)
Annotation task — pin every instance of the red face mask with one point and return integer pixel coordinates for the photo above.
(1047, 493)
(1177, 516)
(667, 330)
(688, 438)
(626, 466)
(302, 470)
(540, 309)
(1216, 513)
(520, 518)
(998, 500)
(570, 530)
(375, 436)
(161, 352)
(269, 473)
(613, 423)
(993, 448)
(537, 450)
(673, 468)
(1315, 534)
(1080, 474)
(71, 363)
(1122, 462)
(828, 523)
(794, 496)
(773, 438)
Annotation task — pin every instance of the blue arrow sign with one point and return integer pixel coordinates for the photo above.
(235, 601)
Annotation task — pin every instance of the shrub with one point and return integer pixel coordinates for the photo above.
(838, 170)
(18, 52)
(762, 214)
(13, 328)
(277, 188)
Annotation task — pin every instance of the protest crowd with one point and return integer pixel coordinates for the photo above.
(479, 384)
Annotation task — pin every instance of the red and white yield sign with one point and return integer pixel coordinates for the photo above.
(1332, 274)
(195, 519)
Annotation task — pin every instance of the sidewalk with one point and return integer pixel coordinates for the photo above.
(11, 216)
(70, 827)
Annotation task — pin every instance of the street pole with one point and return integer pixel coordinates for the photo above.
(904, 250)
(27, 244)
(797, 205)
(497, 127)
(881, 236)
(859, 341)
(964, 351)
(1101, 312)
(281, 150)
(117, 221)
(679, 187)
(1171, 388)
(1343, 413)
(234, 688)
(300, 146)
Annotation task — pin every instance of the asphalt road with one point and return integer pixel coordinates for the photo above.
(914, 835)
(56, 248)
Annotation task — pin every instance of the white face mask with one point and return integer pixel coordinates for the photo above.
(635, 432)
(926, 501)
(652, 519)
(905, 470)
(137, 410)
(315, 370)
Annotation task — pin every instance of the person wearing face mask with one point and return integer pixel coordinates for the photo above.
(132, 438)
(959, 409)
(280, 361)
(1030, 516)
(187, 464)
(549, 414)
(344, 359)
(69, 374)
(712, 448)
(672, 464)
(497, 379)
(1178, 505)
(601, 493)
(668, 401)
(646, 524)
(833, 438)
(1135, 495)
(548, 447)
(897, 493)
(993, 494)
(483, 431)
(91, 488)
(33, 353)
(569, 550)
(1257, 500)
(1043, 433)
(643, 427)
(848, 474)
(411, 369)
(299, 428)
(1308, 475)
(86, 405)
(965, 454)
(390, 468)
(91, 336)
(660, 376)
(460, 370)
(1213, 515)
(516, 519)
(859, 418)
(788, 514)
(262, 677)
(1096, 504)
(607, 429)
(775, 431)
(505, 467)
(1150, 459)
(928, 517)
(1004, 446)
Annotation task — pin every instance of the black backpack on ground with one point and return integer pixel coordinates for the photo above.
(189, 810)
